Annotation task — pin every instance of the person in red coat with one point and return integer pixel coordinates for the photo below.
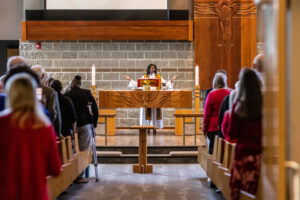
(212, 109)
(28, 150)
(245, 126)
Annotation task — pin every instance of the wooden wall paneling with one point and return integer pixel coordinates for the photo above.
(224, 37)
(179, 4)
(12, 52)
(191, 31)
(106, 30)
(248, 40)
(23, 31)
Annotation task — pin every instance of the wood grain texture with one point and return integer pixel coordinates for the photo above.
(111, 120)
(12, 52)
(72, 166)
(149, 99)
(225, 38)
(179, 120)
(24, 31)
(106, 30)
(142, 167)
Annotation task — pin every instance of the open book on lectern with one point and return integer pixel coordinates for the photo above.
(152, 82)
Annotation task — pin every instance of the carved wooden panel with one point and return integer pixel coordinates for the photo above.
(224, 37)
(150, 99)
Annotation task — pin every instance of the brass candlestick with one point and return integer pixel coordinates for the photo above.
(93, 91)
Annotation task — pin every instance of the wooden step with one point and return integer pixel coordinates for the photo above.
(184, 153)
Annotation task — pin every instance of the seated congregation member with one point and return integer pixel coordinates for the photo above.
(28, 150)
(152, 116)
(68, 113)
(220, 71)
(245, 125)
(87, 117)
(212, 109)
(52, 103)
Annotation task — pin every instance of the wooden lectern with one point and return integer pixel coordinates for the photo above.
(142, 167)
(146, 99)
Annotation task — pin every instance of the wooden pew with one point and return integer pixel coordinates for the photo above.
(72, 166)
(62, 151)
(218, 165)
(70, 153)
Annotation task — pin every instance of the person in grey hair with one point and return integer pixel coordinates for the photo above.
(52, 103)
(13, 61)
(212, 108)
(221, 72)
(258, 65)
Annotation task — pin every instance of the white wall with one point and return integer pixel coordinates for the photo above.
(107, 4)
(11, 14)
(33, 4)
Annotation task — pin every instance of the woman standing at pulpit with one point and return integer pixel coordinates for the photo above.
(152, 116)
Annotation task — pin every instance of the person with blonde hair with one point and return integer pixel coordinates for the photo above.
(28, 150)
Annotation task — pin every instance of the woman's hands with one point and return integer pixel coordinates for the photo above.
(173, 78)
(127, 77)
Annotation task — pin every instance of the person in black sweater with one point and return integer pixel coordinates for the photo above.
(87, 117)
(223, 109)
(67, 109)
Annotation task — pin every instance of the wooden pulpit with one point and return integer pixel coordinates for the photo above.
(146, 99)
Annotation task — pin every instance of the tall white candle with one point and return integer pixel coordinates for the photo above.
(93, 75)
(197, 75)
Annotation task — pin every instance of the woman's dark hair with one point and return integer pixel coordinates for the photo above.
(249, 95)
(21, 68)
(56, 85)
(148, 69)
(77, 80)
(77, 77)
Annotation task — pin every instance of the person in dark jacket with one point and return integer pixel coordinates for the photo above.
(67, 109)
(87, 116)
(223, 109)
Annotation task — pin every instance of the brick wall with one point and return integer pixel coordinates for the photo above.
(114, 59)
